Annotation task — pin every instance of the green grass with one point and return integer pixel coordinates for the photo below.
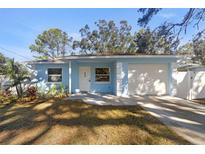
(57, 121)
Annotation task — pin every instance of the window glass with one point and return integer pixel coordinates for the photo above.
(102, 74)
(55, 75)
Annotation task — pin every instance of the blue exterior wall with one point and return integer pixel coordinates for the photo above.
(42, 75)
(94, 86)
(41, 70)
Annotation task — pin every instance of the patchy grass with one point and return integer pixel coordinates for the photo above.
(57, 121)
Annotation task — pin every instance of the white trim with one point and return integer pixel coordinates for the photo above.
(117, 56)
(69, 76)
(103, 82)
(46, 62)
(190, 84)
(119, 77)
(63, 60)
(54, 83)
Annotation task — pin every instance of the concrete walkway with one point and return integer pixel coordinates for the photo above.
(103, 99)
(186, 118)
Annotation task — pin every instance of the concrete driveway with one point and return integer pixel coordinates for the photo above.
(186, 118)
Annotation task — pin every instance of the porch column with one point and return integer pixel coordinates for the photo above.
(69, 72)
(170, 84)
(118, 79)
(122, 79)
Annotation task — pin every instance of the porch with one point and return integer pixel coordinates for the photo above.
(93, 77)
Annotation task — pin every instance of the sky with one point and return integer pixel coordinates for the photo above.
(20, 27)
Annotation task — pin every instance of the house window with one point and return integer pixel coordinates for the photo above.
(55, 75)
(102, 74)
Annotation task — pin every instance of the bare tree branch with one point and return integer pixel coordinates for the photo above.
(193, 15)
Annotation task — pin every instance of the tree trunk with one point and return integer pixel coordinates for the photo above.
(17, 90)
(21, 90)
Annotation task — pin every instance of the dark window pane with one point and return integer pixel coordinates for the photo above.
(102, 75)
(55, 71)
(54, 74)
(102, 70)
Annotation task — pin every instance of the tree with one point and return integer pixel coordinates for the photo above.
(186, 49)
(147, 15)
(193, 16)
(107, 39)
(199, 51)
(195, 50)
(17, 73)
(2, 58)
(145, 41)
(2, 67)
(155, 42)
(51, 44)
(2, 64)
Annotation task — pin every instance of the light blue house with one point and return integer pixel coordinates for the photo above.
(118, 75)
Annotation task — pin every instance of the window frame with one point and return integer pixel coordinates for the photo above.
(103, 82)
(55, 75)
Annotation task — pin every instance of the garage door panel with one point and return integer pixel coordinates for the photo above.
(147, 79)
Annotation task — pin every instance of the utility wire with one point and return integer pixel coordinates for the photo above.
(14, 53)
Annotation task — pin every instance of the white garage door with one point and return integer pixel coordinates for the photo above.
(148, 79)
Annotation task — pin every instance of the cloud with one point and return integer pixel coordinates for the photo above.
(167, 15)
(76, 36)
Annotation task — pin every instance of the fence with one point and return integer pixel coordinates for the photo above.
(189, 84)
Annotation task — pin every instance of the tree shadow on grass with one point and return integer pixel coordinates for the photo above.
(58, 121)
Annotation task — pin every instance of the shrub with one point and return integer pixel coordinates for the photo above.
(61, 93)
(7, 93)
(53, 91)
(58, 92)
(42, 92)
(31, 91)
(6, 97)
(62, 89)
(26, 99)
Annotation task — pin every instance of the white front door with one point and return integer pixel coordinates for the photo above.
(84, 78)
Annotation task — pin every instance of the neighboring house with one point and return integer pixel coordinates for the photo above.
(118, 75)
(4, 82)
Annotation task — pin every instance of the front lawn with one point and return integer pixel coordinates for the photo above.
(57, 121)
(200, 101)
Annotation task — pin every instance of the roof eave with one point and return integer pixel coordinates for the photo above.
(115, 57)
(62, 60)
